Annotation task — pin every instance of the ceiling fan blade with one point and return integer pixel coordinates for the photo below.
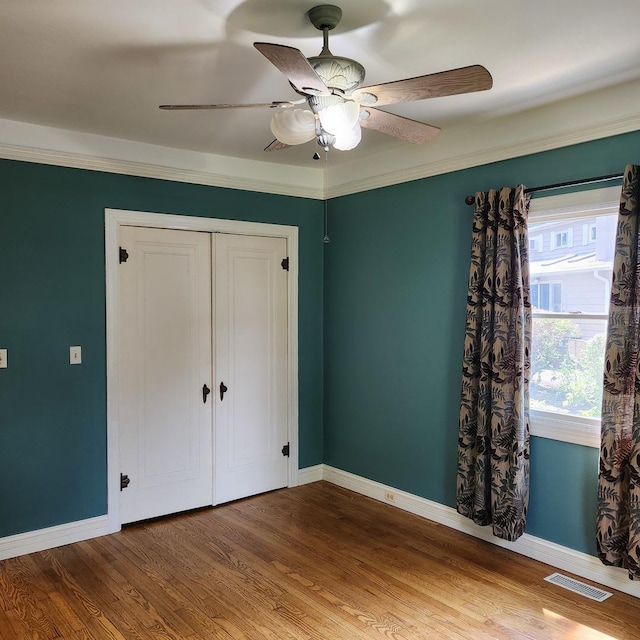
(295, 67)
(397, 126)
(184, 107)
(276, 145)
(435, 85)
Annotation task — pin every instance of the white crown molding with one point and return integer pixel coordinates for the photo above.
(556, 555)
(47, 145)
(599, 114)
(33, 541)
(596, 115)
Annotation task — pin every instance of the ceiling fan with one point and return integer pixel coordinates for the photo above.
(338, 106)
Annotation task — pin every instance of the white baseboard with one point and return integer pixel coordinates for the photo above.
(310, 474)
(555, 555)
(564, 558)
(32, 541)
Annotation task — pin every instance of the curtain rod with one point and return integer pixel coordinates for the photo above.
(561, 185)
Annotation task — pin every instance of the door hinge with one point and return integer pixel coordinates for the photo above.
(285, 450)
(124, 481)
(285, 264)
(124, 255)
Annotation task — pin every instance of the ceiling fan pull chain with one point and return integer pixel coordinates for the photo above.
(326, 238)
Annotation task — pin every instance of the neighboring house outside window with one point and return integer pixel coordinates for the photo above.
(570, 287)
(589, 233)
(562, 238)
(536, 243)
(546, 296)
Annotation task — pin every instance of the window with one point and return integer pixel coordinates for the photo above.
(536, 243)
(562, 238)
(570, 298)
(546, 296)
(589, 233)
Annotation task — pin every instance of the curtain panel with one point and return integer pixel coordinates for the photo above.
(493, 437)
(618, 521)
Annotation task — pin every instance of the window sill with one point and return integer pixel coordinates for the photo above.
(583, 431)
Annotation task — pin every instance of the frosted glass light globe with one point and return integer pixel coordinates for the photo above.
(293, 126)
(339, 118)
(346, 141)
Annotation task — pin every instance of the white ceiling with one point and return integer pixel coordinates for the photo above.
(104, 66)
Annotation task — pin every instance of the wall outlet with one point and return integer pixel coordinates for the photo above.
(3, 358)
(389, 496)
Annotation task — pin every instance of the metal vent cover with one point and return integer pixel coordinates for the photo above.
(578, 587)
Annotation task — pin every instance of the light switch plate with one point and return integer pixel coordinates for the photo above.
(3, 358)
(75, 355)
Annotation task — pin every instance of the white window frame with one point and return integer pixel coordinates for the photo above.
(552, 299)
(554, 239)
(546, 424)
(536, 243)
(589, 233)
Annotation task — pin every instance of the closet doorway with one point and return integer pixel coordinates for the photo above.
(200, 375)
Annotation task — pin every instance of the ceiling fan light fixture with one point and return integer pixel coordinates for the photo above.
(293, 126)
(331, 87)
(325, 140)
(347, 140)
(340, 118)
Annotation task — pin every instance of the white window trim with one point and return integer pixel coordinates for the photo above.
(551, 298)
(544, 424)
(554, 238)
(587, 232)
(555, 426)
(537, 240)
(593, 202)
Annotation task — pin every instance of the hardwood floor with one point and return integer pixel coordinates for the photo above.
(314, 562)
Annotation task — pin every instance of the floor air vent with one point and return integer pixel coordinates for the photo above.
(578, 587)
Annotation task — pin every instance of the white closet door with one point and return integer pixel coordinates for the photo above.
(251, 362)
(165, 360)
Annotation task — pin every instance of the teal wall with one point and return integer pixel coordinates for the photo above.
(52, 295)
(395, 285)
(392, 286)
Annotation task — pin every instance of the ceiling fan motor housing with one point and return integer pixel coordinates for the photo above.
(325, 16)
(342, 74)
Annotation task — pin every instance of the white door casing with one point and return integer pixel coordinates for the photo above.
(165, 360)
(114, 219)
(251, 362)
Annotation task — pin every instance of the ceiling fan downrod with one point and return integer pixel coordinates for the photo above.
(325, 17)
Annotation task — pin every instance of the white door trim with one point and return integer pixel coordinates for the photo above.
(113, 219)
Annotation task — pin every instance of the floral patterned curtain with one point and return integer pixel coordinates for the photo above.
(493, 441)
(618, 524)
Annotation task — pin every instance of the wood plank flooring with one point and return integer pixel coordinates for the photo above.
(315, 562)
